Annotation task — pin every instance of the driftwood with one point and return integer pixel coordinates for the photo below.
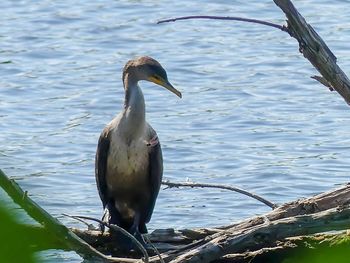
(324, 212)
(316, 248)
(271, 234)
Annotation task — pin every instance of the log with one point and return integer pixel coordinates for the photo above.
(234, 241)
(319, 248)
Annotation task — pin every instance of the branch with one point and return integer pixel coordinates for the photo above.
(311, 45)
(315, 50)
(52, 225)
(220, 186)
(234, 18)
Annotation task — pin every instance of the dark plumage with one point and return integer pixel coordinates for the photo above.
(129, 164)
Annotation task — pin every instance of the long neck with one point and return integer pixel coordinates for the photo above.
(134, 109)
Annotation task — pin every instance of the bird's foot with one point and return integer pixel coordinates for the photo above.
(102, 228)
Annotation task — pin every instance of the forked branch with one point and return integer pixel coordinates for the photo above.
(311, 45)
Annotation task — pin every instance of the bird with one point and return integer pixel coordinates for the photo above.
(129, 162)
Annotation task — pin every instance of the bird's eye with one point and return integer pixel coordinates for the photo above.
(156, 77)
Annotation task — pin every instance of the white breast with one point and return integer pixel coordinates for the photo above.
(127, 165)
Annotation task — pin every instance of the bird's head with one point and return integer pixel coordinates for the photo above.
(147, 68)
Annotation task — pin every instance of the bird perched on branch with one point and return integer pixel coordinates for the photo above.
(129, 163)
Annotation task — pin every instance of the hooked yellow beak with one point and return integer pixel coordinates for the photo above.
(166, 84)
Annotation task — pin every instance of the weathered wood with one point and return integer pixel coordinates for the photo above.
(174, 244)
(287, 249)
(233, 241)
(318, 203)
(315, 50)
(326, 211)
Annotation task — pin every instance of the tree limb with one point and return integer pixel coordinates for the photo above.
(234, 18)
(311, 45)
(315, 49)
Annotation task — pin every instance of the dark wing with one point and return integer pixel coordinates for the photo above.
(155, 173)
(101, 165)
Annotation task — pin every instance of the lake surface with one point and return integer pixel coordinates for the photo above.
(250, 116)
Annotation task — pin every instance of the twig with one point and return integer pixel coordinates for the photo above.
(116, 229)
(89, 226)
(221, 186)
(155, 249)
(234, 18)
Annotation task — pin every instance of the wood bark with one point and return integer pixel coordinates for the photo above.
(315, 50)
(320, 248)
(236, 241)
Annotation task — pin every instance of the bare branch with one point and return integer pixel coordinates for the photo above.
(154, 248)
(234, 18)
(221, 186)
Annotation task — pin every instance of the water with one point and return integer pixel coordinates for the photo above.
(250, 115)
